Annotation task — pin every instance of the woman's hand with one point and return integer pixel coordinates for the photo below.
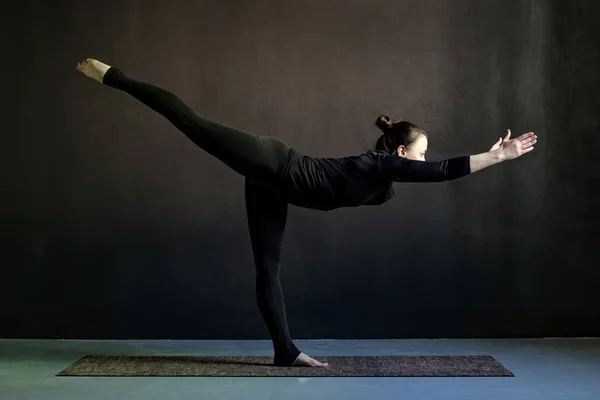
(511, 149)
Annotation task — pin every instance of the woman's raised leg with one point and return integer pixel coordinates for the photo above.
(246, 153)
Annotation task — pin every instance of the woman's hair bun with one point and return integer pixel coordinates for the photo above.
(384, 122)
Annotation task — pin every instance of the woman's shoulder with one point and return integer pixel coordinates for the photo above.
(367, 162)
(370, 156)
(375, 154)
(378, 153)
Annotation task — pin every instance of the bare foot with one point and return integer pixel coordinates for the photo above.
(306, 361)
(93, 68)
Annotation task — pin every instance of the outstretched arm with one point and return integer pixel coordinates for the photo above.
(403, 170)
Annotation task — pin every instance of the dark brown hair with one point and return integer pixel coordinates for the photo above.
(400, 133)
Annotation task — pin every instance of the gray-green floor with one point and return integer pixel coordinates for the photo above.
(544, 369)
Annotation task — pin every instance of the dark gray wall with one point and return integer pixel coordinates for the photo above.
(114, 225)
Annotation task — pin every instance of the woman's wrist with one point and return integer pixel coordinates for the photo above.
(497, 155)
(485, 160)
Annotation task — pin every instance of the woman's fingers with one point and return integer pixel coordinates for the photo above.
(528, 142)
(526, 136)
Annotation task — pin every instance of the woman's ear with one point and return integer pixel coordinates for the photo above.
(401, 151)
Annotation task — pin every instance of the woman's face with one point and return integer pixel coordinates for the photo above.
(416, 150)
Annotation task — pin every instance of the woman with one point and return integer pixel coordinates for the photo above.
(277, 175)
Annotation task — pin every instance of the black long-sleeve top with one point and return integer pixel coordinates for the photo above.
(365, 179)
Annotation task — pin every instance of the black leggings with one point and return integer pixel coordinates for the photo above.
(260, 159)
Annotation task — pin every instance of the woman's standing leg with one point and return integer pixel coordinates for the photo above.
(267, 216)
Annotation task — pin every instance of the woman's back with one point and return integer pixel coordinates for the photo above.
(329, 183)
(365, 179)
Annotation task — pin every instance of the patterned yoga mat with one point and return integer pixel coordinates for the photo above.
(259, 366)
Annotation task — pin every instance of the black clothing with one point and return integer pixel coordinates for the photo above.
(277, 175)
(267, 215)
(365, 179)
